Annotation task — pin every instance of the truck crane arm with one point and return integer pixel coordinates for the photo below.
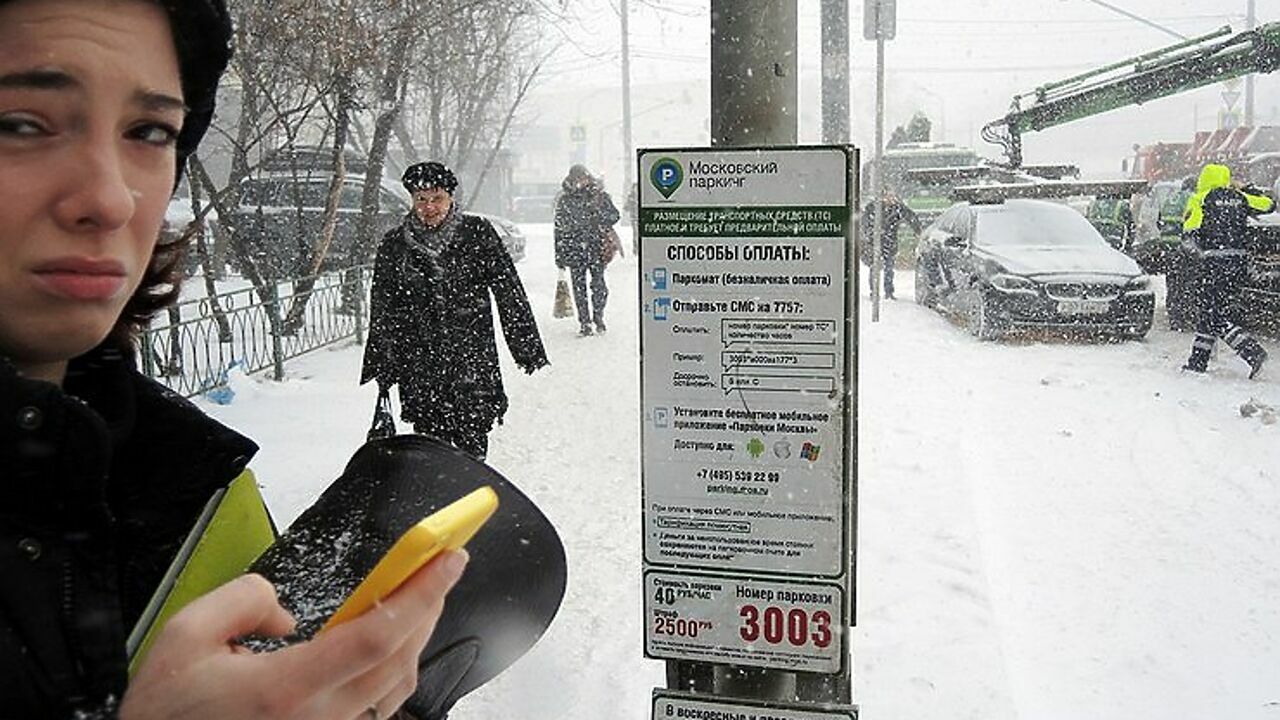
(1175, 69)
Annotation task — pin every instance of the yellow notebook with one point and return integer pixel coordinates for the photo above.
(229, 535)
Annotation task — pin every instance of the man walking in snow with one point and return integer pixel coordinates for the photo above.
(895, 213)
(1215, 223)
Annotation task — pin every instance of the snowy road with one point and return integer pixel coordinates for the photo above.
(1047, 530)
(1056, 530)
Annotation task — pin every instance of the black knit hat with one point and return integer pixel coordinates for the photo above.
(202, 35)
(426, 175)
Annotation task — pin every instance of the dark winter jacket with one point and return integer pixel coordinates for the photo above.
(1216, 216)
(431, 322)
(99, 485)
(582, 216)
(895, 213)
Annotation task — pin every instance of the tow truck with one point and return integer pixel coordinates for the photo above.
(1215, 57)
(1193, 63)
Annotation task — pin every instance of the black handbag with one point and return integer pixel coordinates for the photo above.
(384, 421)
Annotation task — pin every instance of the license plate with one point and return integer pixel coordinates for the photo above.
(1083, 307)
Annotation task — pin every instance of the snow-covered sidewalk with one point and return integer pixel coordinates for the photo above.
(1046, 529)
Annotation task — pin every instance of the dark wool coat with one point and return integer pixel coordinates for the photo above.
(895, 213)
(1226, 220)
(99, 485)
(431, 322)
(582, 216)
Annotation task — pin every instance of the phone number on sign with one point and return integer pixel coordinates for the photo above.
(729, 475)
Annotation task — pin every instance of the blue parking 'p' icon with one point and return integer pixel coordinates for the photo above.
(666, 176)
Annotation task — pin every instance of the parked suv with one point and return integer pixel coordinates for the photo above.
(283, 214)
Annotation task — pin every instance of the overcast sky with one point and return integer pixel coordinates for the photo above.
(961, 61)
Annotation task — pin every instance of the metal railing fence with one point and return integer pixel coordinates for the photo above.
(191, 347)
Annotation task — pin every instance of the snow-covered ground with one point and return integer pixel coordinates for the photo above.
(1046, 529)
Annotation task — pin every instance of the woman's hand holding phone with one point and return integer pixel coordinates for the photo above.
(196, 670)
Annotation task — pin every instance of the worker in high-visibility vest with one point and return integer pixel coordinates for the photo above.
(1215, 226)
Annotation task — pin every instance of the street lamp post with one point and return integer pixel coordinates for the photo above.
(1251, 22)
(627, 147)
(879, 24)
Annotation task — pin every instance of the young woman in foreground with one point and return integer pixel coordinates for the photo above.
(102, 471)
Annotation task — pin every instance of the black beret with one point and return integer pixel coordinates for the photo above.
(426, 175)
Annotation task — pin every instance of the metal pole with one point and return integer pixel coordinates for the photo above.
(753, 102)
(835, 71)
(753, 72)
(628, 152)
(1251, 22)
(877, 184)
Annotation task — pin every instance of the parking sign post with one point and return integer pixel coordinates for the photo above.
(747, 377)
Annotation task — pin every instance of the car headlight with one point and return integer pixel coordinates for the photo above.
(1140, 284)
(1013, 284)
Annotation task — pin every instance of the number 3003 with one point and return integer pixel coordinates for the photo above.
(796, 626)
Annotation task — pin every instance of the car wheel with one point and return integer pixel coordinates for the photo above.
(981, 324)
(924, 292)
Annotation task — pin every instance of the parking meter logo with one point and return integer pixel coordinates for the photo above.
(666, 175)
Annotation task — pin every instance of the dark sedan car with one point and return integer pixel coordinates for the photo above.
(1030, 264)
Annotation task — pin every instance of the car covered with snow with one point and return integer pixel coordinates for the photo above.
(1023, 264)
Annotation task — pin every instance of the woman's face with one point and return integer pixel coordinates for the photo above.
(432, 205)
(90, 106)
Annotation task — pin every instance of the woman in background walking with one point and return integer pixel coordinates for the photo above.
(584, 214)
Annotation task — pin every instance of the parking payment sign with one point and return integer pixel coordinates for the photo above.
(746, 383)
(745, 259)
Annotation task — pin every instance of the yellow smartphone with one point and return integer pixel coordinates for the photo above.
(449, 528)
